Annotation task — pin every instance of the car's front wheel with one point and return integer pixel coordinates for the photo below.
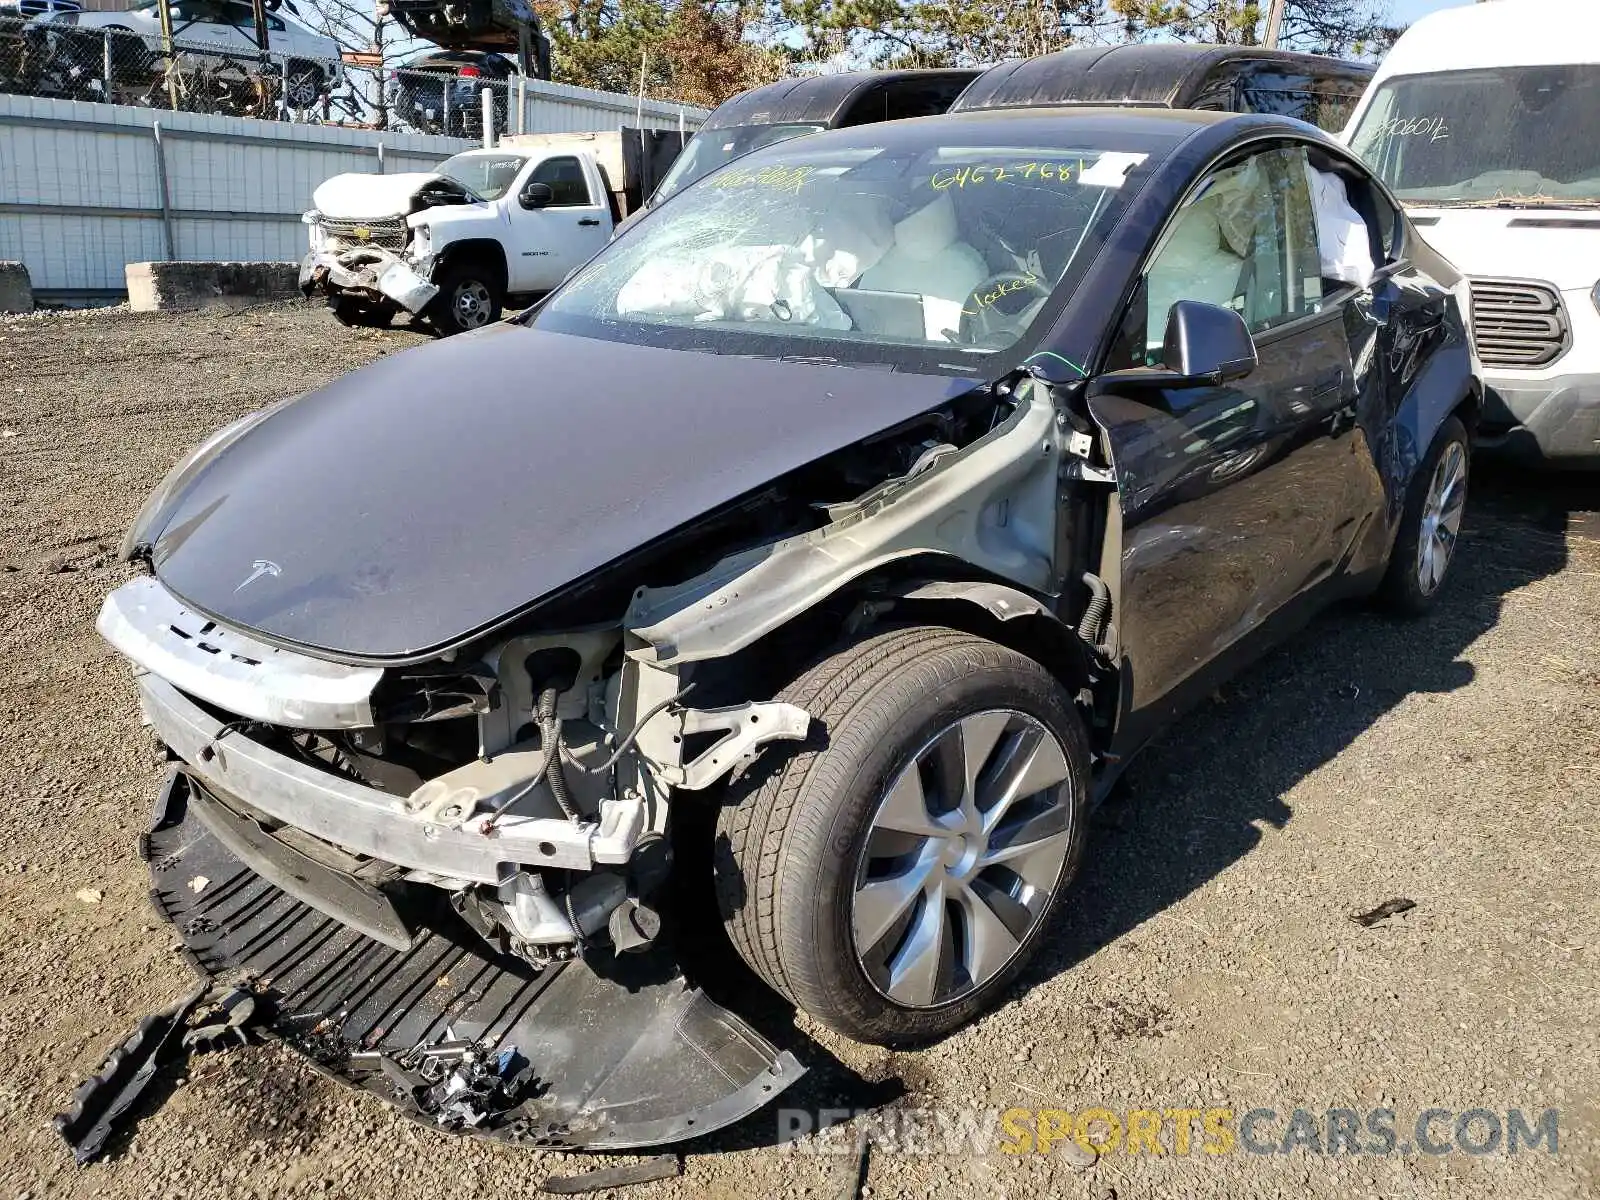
(893, 873)
(470, 297)
(1430, 525)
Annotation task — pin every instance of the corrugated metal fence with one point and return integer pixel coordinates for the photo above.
(87, 188)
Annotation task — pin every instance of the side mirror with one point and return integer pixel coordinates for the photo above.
(1205, 345)
(536, 195)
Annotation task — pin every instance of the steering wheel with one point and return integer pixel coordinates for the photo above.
(1001, 305)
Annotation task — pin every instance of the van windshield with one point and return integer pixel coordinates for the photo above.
(713, 148)
(1507, 136)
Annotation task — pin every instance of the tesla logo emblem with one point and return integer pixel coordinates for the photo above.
(262, 567)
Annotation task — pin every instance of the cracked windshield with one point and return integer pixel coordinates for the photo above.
(916, 244)
(1512, 136)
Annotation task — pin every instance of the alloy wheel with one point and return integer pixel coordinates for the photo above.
(962, 858)
(1441, 518)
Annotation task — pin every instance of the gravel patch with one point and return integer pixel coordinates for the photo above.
(1209, 959)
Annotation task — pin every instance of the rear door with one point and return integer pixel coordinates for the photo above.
(549, 242)
(1232, 497)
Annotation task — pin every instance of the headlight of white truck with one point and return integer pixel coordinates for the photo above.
(421, 241)
(317, 233)
(1596, 295)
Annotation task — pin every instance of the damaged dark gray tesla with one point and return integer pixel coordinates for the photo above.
(826, 545)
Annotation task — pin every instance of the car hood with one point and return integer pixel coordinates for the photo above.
(429, 495)
(1559, 246)
(359, 196)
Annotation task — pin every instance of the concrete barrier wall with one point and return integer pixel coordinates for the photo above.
(87, 188)
(16, 289)
(174, 286)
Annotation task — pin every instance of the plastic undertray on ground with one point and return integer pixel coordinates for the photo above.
(634, 1057)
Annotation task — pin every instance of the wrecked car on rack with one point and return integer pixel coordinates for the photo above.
(804, 567)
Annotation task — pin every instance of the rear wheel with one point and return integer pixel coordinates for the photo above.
(470, 297)
(893, 874)
(1430, 525)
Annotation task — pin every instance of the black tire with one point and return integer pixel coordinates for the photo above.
(461, 282)
(353, 312)
(1408, 589)
(306, 83)
(791, 847)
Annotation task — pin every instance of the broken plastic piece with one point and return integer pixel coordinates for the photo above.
(236, 1013)
(662, 1166)
(1388, 908)
(100, 1103)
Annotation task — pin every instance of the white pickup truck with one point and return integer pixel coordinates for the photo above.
(453, 243)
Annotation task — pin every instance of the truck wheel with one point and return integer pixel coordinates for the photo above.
(469, 298)
(892, 874)
(1430, 524)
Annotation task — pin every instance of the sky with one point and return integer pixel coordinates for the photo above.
(1404, 12)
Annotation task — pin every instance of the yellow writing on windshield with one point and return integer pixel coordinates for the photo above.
(1027, 282)
(779, 179)
(1011, 172)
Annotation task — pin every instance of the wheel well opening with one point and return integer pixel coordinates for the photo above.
(486, 256)
(870, 605)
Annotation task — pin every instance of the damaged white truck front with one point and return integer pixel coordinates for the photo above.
(452, 244)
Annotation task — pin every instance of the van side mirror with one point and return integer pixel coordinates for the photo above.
(536, 195)
(1205, 345)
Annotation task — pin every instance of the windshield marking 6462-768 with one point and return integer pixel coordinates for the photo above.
(873, 248)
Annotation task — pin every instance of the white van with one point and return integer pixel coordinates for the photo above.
(1485, 121)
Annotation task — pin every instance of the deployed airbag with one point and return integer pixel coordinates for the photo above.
(1342, 237)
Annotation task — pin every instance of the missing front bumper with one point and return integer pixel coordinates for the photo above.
(370, 272)
(633, 1058)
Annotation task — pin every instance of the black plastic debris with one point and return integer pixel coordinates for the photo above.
(610, 1054)
(1388, 908)
(103, 1103)
(460, 1084)
(662, 1166)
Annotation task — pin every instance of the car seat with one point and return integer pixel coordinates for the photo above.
(927, 260)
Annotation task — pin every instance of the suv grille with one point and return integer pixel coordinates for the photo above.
(1517, 324)
(388, 232)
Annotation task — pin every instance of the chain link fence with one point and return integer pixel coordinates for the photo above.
(118, 66)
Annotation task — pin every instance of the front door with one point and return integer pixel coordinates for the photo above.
(1232, 497)
(548, 243)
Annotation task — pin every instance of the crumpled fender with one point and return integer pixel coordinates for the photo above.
(993, 505)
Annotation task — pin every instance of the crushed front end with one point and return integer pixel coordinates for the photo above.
(375, 263)
(446, 874)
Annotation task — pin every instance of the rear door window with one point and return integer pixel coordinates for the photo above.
(1323, 101)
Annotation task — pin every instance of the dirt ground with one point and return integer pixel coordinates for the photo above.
(1208, 961)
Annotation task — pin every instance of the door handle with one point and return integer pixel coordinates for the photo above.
(589, 221)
